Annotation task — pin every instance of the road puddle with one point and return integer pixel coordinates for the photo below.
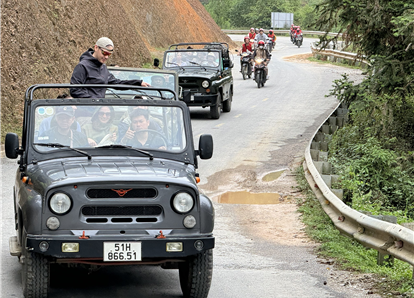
(245, 197)
(272, 176)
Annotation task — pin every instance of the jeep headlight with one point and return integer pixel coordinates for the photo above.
(183, 202)
(205, 84)
(60, 203)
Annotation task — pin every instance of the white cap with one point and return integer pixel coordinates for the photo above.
(105, 42)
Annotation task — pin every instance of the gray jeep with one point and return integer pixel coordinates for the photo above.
(204, 72)
(86, 199)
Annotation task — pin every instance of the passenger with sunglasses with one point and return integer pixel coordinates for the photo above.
(91, 69)
(101, 130)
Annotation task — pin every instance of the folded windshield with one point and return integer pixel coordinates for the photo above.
(106, 126)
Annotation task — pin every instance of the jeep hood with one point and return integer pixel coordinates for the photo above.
(48, 174)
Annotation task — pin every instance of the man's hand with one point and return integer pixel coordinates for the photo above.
(91, 142)
(143, 84)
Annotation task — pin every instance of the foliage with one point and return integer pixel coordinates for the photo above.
(348, 253)
(374, 153)
(257, 13)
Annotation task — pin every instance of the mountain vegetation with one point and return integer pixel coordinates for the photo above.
(243, 14)
(374, 153)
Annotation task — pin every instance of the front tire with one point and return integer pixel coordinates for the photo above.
(195, 275)
(227, 103)
(35, 275)
(216, 109)
(258, 77)
(244, 71)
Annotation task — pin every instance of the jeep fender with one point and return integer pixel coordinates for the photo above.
(206, 215)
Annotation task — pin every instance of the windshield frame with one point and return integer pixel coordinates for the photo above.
(186, 155)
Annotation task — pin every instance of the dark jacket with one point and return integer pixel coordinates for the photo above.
(90, 71)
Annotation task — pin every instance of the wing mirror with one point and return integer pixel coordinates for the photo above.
(205, 146)
(11, 145)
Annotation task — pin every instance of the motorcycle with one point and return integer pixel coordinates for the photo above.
(260, 72)
(299, 40)
(246, 66)
(269, 45)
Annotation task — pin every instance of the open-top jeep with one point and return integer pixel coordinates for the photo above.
(204, 71)
(112, 200)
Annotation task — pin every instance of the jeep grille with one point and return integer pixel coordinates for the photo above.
(122, 210)
(141, 193)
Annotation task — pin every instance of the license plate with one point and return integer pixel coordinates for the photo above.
(122, 251)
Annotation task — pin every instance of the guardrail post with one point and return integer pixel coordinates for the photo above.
(382, 258)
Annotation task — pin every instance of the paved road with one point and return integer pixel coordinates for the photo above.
(266, 129)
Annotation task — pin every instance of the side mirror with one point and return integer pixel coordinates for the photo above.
(205, 146)
(236, 50)
(11, 145)
(156, 62)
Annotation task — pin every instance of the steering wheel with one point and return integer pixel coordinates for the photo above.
(163, 138)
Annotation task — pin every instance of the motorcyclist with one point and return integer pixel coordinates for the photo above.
(292, 29)
(297, 32)
(252, 33)
(260, 36)
(261, 52)
(272, 37)
(246, 47)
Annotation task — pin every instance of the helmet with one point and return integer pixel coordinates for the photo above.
(246, 37)
(270, 31)
(251, 28)
(261, 29)
(261, 42)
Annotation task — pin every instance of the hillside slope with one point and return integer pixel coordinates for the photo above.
(41, 40)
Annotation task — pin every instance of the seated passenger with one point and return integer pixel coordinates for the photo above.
(46, 123)
(211, 61)
(62, 133)
(179, 60)
(125, 122)
(157, 81)
(101, 130)
(138, 134)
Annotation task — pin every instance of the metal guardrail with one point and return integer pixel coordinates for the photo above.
(387, 238)
(334, 55)
(245, 32)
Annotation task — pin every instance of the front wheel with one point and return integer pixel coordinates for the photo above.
(195, 275)
(258, 77)
(216, 109)
(244, 71)
(35, 275)
(227, 103)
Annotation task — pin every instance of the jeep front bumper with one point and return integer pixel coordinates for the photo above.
(93, 247)
(199, 99)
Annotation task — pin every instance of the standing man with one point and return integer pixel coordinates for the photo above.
(91, 69)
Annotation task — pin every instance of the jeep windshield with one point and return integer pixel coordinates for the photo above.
(144, 127)
(156, 78)
(192, 58)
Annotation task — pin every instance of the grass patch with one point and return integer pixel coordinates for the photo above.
(349, 254)
(342, 64)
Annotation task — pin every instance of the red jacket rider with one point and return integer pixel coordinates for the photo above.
(252, 34)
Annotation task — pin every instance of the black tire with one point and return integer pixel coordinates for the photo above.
(227, 103)
(35, 275)
(244, 71)
(258, 77)
(216, 109)
(195, 275)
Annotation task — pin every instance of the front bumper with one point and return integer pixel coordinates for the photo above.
(93, 247)
(199, 99)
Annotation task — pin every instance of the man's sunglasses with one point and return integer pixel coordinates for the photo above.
(105, 53)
